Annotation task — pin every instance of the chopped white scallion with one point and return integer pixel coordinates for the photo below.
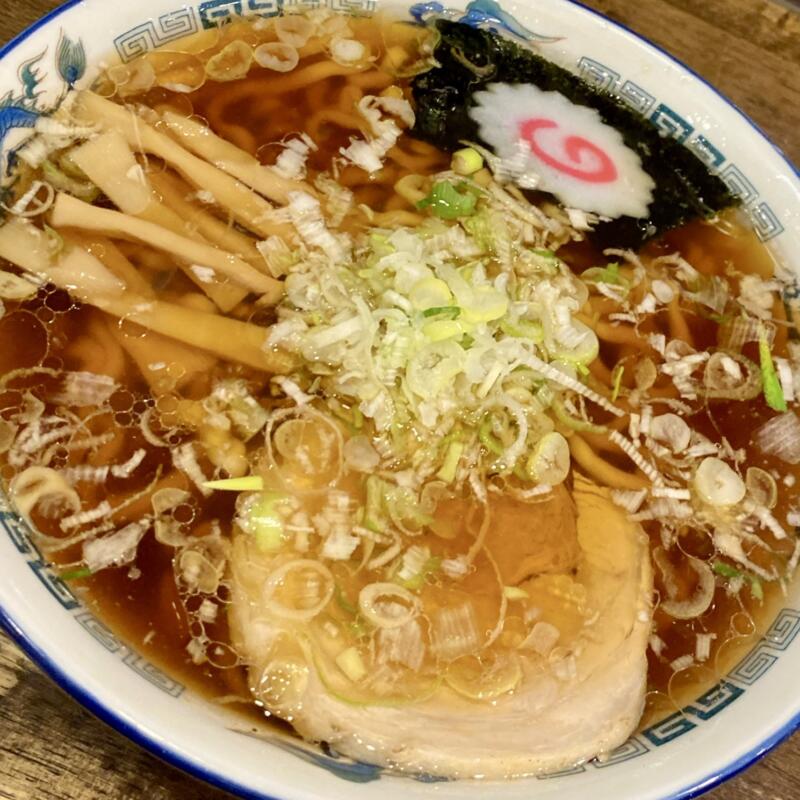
(638, 459)
(657, 644)
(36, 484)
(793, 561)
(402, 645)
(717, 484)
(767, 520)
(682, 663)
(362, 154)
(388, 605)
(292, 390)
(24, 207)
(126, 470)
(672, 431)
(542, 638)
(352, 664)
(658, 341)
(317, 587)
(703, 646)
(647, 418)
(663, 291)
(780, 437)
(360, 455)
(669, 492)
(550, 461)
(85, 473)
(557, 376)
(629, 499)
(336, 524)
(208, 611)
(385, 131)
(730, 545)
(291, 163)
(114, 550)
(454, 631)
(85, 517)
(277, 56)
(85, 389)
(347, 51)
(306, 215)
(185, 459)
(413, 562)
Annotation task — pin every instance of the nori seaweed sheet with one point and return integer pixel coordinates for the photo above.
(470, 58)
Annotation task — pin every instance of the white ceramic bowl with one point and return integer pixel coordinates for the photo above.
(717, 735)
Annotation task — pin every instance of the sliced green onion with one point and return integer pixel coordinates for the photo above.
(374, 516)
(550, 460)
(607, 274)
(383, 612)
(404, 508)
(77, 574)
(726, 570)
(488, 439)
(265, 523)
(616, 380)
(430, 293)
(343, 602)
(520, 472)
(84, 190)
(514, 593)
(585, 352)
(351, 664)
(430, 567)
(773, 391)
(466, 161)
(251, 483)
(380, 245)
(523, 329)
(450, 202)
(487, 305)
(441, 329)
(448, 471)
(564, 417)
(449, 312)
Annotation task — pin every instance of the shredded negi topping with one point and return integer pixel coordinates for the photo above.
(398, 424)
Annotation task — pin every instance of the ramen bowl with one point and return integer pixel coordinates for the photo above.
(715, 735)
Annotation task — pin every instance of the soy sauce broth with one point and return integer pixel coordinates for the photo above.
(142, 603)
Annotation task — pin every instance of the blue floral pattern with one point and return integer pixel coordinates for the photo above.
(23, 109)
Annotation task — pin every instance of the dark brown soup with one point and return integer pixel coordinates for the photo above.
(162, 385)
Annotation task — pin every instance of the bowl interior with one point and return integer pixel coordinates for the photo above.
(721, 731)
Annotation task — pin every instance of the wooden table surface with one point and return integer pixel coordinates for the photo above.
(51, 749)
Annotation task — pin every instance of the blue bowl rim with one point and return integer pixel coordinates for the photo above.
(150, 742)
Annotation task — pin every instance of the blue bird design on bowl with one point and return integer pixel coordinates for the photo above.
(71, 60)
(482, 14)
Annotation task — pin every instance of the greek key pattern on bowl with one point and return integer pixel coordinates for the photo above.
(20, 534)
(214, 12)
(210, 14)
(155, 32)
(103, 635)
(671, 123)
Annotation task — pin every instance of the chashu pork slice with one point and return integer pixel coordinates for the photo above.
(579, 697)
